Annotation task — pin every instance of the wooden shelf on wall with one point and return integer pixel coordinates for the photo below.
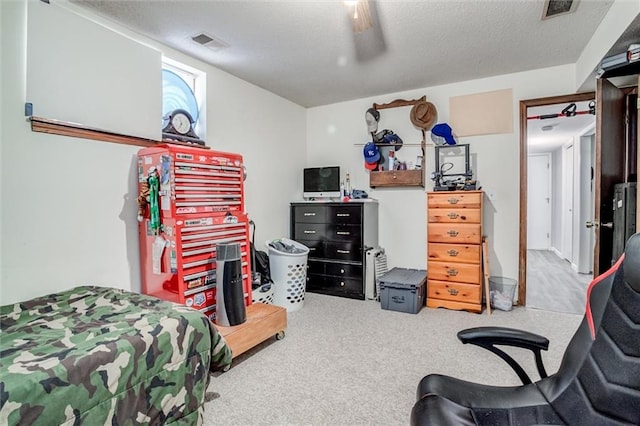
(65, 128)
(396, 178)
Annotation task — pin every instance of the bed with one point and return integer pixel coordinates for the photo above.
(96, 355)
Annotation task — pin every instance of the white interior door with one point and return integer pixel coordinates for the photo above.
(567, 202)
(586, 238)
(538, 201)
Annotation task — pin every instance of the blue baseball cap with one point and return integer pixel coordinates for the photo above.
(392, 138)
(371, 153)
(442, 133)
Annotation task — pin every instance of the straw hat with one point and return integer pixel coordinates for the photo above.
(424, 115)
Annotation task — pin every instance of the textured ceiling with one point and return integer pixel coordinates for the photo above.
(306, 51)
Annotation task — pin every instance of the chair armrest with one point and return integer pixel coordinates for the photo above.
(488, 337)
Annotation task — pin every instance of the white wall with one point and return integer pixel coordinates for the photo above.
(557, 177)
(336, 133)
(69, 205)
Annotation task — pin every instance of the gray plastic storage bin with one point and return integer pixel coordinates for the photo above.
(403, 290)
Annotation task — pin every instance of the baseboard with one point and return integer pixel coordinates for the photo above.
(557, 252)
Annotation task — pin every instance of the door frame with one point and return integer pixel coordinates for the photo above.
(522, 261)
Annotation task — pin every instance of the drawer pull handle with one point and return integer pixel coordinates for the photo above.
(452, 272)
(453, 215)
(341, 283)
(453, 200)
(452, 253)
(343, 233)
(342, 271)
(343, 251)
(452, 291)
(309, 232)
(343, 214)
(452, 233)
(309, 214)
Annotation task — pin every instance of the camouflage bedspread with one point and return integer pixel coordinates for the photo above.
(94, 355)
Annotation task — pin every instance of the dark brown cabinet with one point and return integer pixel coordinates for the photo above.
(338, 236)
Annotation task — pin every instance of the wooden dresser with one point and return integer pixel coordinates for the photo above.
(454, 260)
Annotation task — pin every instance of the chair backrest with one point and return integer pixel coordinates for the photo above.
(599, 379)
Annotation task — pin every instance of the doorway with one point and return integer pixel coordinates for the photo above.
(559, 103)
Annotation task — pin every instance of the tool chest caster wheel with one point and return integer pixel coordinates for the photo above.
(280, 335)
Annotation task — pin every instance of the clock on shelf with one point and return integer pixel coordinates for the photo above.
(179, 109)
(178, 124)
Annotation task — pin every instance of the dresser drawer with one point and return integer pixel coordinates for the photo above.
(344, 232)
(310, 214)
(460, 200)
(309, 231)
(344, 270)
(343, 250)
(458, 292)
(315, 267)
(316, 247)
(345, 214)
(456, 215)
(343, 285)
(459, 253)
(456, 233)
(337, 286)
(454, 272)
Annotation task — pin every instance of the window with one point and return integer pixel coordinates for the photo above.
(184, 87)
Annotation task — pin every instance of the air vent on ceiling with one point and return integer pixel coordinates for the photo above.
(210, 42)
(553, 8)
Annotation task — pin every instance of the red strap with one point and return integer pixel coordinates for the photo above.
(593, 283)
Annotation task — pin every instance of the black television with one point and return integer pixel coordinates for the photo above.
(321, 182)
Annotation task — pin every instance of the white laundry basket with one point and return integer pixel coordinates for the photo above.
(289, 273)
(263, 294)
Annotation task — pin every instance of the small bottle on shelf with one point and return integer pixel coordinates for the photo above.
(347, 186)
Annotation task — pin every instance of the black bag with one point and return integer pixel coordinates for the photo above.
(261, 265)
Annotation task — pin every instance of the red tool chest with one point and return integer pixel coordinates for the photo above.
(190, 200)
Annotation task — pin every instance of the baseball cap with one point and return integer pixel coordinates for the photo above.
(371, 153)
(442, 134)
(370, 166)
(392, 138)
(372, 117)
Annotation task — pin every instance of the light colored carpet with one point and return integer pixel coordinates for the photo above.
(349, 362)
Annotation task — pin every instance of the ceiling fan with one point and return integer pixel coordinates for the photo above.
(360, 15)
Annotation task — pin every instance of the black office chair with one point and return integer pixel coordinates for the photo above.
(598, 382)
